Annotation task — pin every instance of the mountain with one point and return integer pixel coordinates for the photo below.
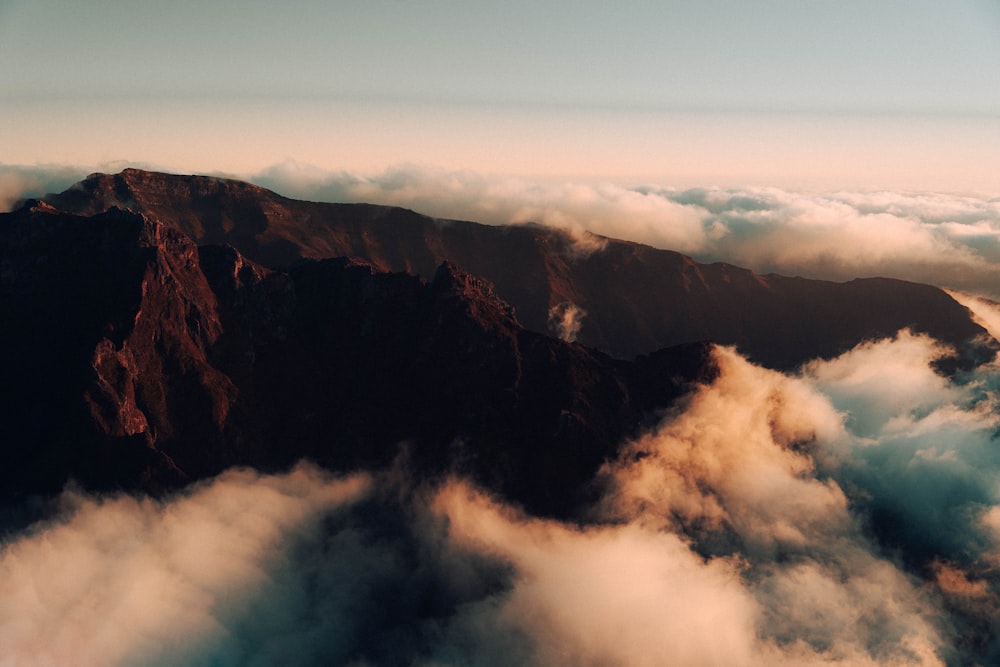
(144, 344)
(136, 359)
(627, 299)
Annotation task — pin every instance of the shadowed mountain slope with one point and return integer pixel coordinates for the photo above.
(135, 359)
(632, 298)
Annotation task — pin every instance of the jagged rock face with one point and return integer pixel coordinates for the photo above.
(369, 360)
(136, 359)
(110, 323)
(630, 299)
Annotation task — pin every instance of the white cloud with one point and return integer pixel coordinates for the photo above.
(18, 183)
(847, 514)
(880, 381)
(621, 595)
(748, 528)
(634, 594)
(565, 320)
(126, 580)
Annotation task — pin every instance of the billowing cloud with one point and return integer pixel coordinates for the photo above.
(126, 580)
(633, 594)
(305, 569)
(943, 239)
(608, 594)
(735, 470)
(985, 312)
(861, 493)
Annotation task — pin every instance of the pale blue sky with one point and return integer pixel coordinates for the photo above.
(778, 91)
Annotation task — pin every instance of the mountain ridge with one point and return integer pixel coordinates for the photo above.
(628, 298)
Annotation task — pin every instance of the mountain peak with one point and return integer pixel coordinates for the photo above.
(32, 206)
(452, 277)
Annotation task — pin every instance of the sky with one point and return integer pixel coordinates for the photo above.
(796, 94)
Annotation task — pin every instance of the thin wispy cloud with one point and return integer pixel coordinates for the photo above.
(17, 183)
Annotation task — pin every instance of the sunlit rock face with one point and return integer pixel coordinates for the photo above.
(635, 298)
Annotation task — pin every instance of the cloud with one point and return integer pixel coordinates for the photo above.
(881, 381)
(986, 313)
(919, 461)
(735, 471)
(123, 580)
(18, 182)
(724, 459)
(943, 239)
(303, 568)
(860, 494)
(632, 594)
(608, 594)
(920, 454)
(565, 320)
(948, 240)
(744, 529)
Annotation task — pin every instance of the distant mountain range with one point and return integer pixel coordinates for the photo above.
(158, 329)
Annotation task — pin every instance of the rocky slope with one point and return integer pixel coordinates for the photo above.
(136, 359)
